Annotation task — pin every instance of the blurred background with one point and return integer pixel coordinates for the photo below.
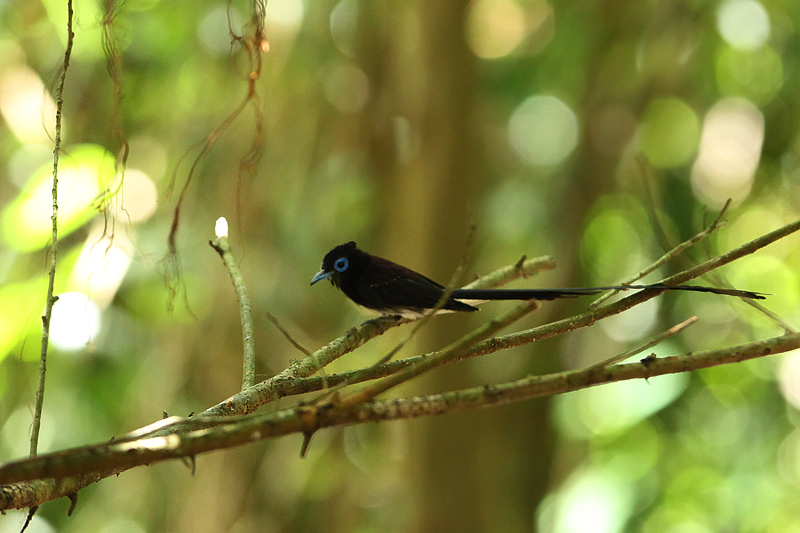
(600, 133)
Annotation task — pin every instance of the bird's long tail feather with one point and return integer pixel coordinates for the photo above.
(553, 294)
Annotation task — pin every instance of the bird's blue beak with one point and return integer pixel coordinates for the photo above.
(320, 276)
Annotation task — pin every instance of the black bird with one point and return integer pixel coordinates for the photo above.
(385, 286)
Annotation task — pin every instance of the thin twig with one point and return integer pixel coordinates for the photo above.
(51, 299)
(674, 252)
(458, 274)
(286, 334)
(647, 345)
(451, 352)
(732, 255)
(780, 322)
(661, 235)
(223, 248)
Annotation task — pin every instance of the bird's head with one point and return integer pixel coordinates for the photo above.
(339, 262)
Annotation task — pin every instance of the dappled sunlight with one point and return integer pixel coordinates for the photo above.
(75, 322)
(84, 172)
(137, 198)
(608, 410)
(590, 499)
(101, 266)
(27, 108)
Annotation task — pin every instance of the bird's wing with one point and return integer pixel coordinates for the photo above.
(392, 286)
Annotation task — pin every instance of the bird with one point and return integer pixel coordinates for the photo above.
(392, 289)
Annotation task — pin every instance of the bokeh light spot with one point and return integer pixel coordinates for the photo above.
(631, 326)
(137, 199)
(669, 132)
(18, 313)
(75, 321)
(592, 500)
(149, 155)
(744, 24)
(789, 378)
(611, 244)
(287, 13)
(753, 74)
(543, 130)
(346, 87)
(730, 149)
(750, 224)
(769, 274)
(213, 31)
(26, 160)
(495, 27)
(789, 450)
(27, 107)
(101, 267)
(607, 410)
(343, 25)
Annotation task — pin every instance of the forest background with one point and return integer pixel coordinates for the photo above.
(598, 133)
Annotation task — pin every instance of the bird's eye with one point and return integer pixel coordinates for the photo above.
(341, 264)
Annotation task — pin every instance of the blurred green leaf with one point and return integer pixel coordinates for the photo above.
(84, 172)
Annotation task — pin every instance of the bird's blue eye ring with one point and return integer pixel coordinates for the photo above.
(341, 264)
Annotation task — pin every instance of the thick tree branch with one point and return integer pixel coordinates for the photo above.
(301, 419)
